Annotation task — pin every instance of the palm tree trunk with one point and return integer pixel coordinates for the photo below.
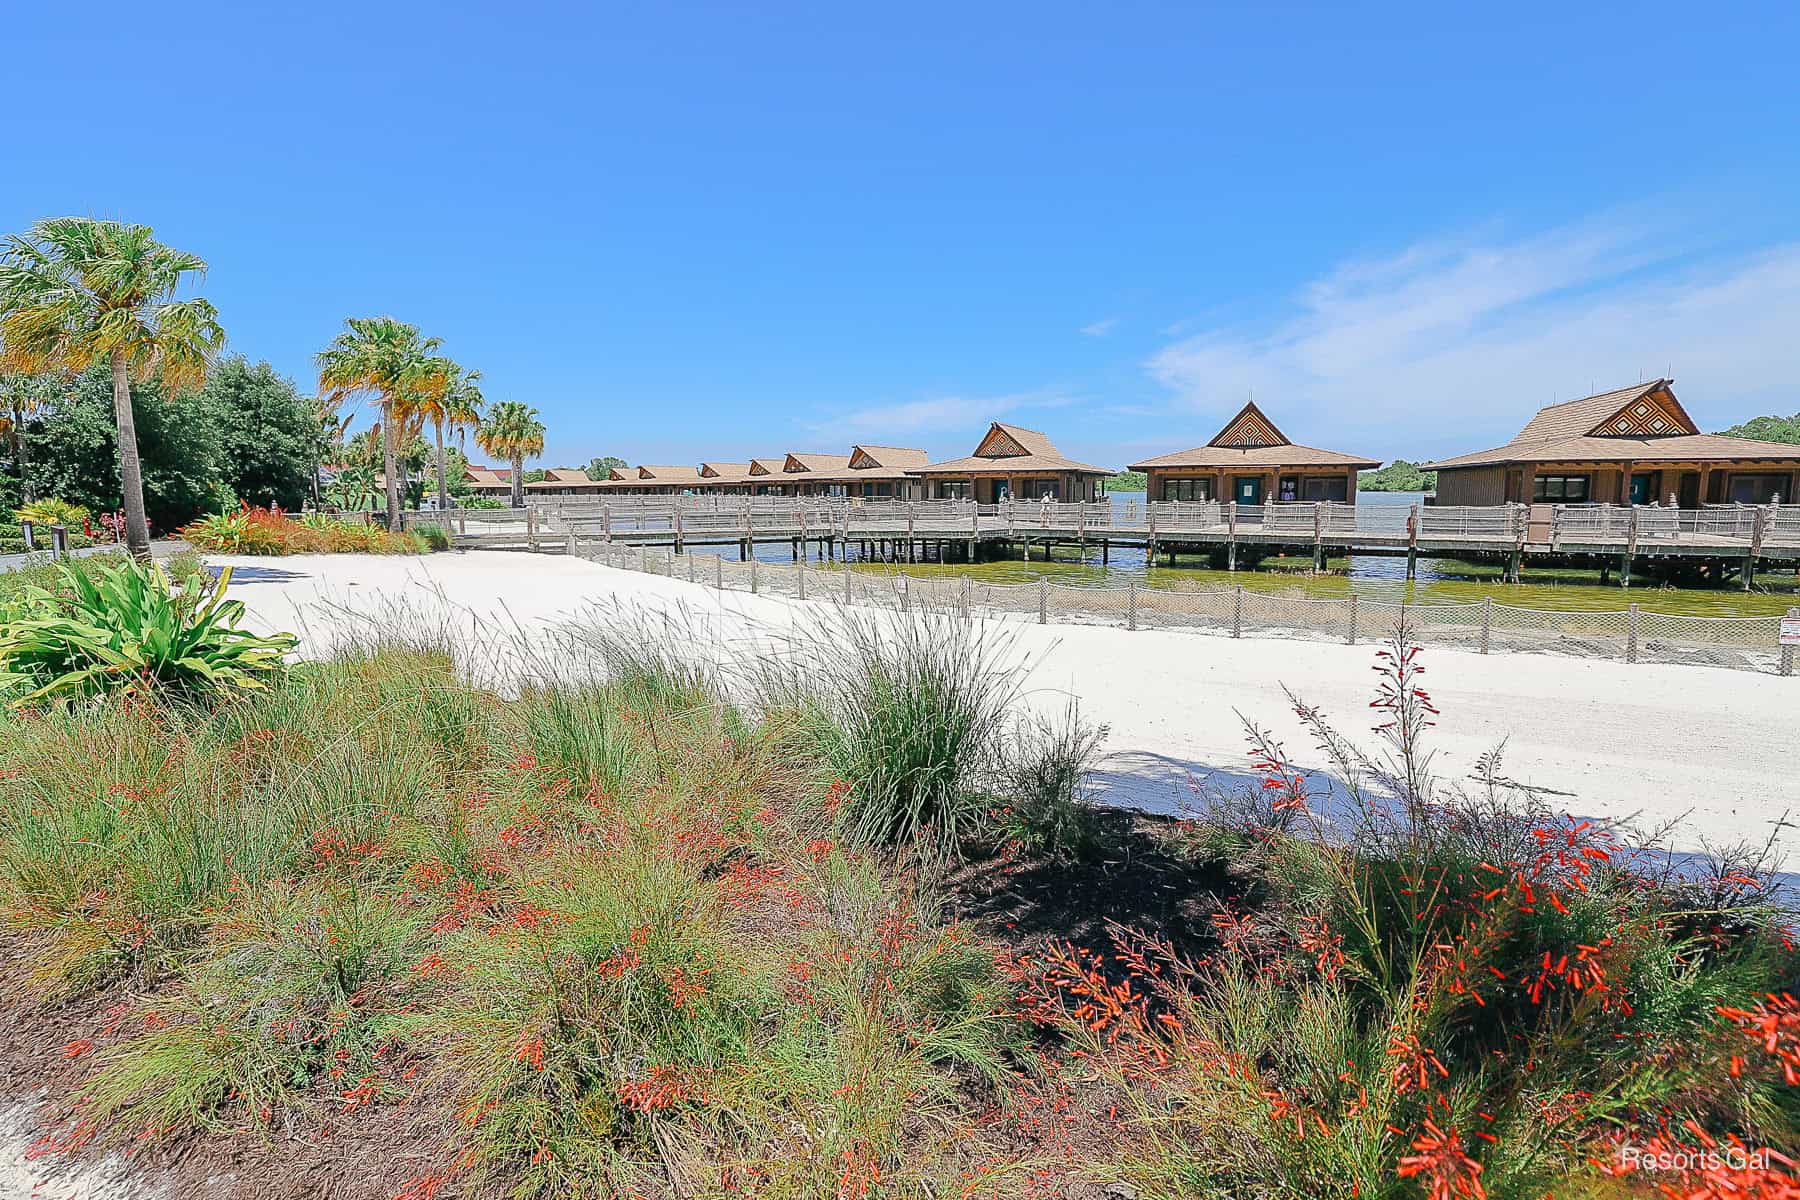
(518, 484)
(443, 491)
(22, 456)
(389, 473)
(131, 472)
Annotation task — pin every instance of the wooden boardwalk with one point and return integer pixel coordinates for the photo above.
(1739, 537)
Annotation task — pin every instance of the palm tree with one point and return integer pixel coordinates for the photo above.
(457, 403)
(512, 431)
(386, 358)
(75, 291)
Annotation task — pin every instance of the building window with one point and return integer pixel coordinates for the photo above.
(1571, 489)
(954, 489)
(1187, 489)
(1756, 489)
(1289, 491)
(1327, 487)
(1046, 489)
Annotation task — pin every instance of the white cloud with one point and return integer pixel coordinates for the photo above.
(1452, 344)
(1101, 327)
(941, 414)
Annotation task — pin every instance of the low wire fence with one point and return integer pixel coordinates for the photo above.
(1633, 634)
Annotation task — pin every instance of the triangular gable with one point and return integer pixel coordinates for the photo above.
(861, 460)
(999, 444)
(646, 473)
(616, 474)
(757, 467)
(1249, 430)
(793, 465)
(1654, 414)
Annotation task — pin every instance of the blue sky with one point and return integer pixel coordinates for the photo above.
(705, 231)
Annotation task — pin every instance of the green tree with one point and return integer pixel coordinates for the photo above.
(1126, 481)
(1769, 429)
(512, 431)
(599, 468)
(75, 291)
(22, 396)
(268, 433)
(1397, 476)
(75, 449)
(389, 360)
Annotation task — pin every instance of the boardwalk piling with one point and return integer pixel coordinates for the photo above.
(1231, 539)
(1412, 542)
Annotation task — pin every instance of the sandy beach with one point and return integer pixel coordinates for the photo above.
(1716, 750)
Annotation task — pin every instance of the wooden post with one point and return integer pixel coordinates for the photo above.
(1318, 537)
(718, 572)
(1412, 542)
(847, 574)
(1487, 621)
(803, 576)
(1131, 604)
(1787, 652)
(1353, 608)
(678, 526)
(1759, 524)
(59, 542)
(909, 532)
(1231, 540)
(30, 532)
(1631, 633)
(570, 546)
(462, 521)
(1043, 601)
(1150, 544)
(606, 523)
(1631, 540)
(1520, 517)
(974, 528)
(531, 532)
(690, 563)
(753, 575)
(967, 588)
(1237, 611)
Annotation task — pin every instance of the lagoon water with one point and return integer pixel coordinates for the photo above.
(1372, 576)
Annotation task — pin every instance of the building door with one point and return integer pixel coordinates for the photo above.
(1690, 489)
(1247, 489)
(1643, 487)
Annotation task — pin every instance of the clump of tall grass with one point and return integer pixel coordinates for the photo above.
(912, 710)
(1044, 774)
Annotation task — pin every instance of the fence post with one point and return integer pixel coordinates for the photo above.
(847, 574)
(753, 574)
(1043, 601)
(1131, 604)
(905, 592)
(1237, 611)
(803, 576)
(1353, 607)
(531, 532)
(571, 546)
(30, 532)
(719, 572)
(1631, 634)
(1150, 542)
(606, 522)
(462, 521)
(644, 559)
(1318, 536)
(690, 563)
(1487, 621)
(967, 587)
(1758, 525)
(59, 542)
(1787, 652)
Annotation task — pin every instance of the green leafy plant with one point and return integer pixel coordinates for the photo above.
(53, 512)
(132, 628)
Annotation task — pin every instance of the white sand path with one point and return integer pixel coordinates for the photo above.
(1719, 750)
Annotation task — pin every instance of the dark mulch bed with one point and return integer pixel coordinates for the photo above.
(1135, 876)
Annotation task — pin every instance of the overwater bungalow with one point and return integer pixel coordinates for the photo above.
(725, 477)
(1253, 462)
(875, 472)
(565, 481)
(1011, 463)
(1634, 445)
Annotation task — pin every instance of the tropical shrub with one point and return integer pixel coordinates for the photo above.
(269, 531)
(130, 628)
(52, 512)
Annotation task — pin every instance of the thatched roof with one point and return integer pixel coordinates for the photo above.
(1642, 423)
(1250, 439)
(1010, 450)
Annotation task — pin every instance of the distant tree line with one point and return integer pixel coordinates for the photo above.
(1397, 476)
(1769, 429)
